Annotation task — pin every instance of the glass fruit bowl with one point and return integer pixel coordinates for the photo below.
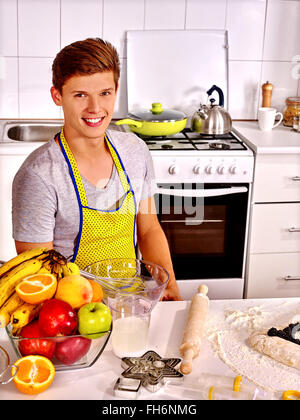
(129, 276)
(5, 368)
(4, 360)
(66, 352)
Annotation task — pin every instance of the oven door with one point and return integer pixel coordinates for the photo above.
(205, 226)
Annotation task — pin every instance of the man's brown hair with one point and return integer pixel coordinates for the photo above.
(93, 55)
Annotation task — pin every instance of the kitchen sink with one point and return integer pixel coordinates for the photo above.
(30, 130)
(15, 131)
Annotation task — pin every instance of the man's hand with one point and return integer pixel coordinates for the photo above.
(172, 292)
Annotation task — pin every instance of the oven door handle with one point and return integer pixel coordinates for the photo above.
(202, 192)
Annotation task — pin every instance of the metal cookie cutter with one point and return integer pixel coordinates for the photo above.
(149, 370)
(127, 388)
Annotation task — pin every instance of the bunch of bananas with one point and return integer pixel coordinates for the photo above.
(33, 261)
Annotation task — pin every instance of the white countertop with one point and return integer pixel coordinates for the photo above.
(166, 328)
(279, 140)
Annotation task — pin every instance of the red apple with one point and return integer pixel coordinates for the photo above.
(72, 349)
(40, 346)
(57, 317)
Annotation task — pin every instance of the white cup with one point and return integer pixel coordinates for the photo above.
(266, 118)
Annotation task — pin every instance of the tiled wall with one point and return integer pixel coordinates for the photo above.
(264, 44)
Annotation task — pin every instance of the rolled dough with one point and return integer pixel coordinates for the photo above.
(279, 349)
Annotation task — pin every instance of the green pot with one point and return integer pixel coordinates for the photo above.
(155, 121)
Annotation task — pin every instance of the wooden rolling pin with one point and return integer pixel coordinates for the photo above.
(194, 327)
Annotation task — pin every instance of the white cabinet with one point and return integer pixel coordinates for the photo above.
(273, 263)
(274, 275)
(275, 228)
(277, 178)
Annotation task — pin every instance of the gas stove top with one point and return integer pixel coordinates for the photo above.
(192, 157)
(189, 140)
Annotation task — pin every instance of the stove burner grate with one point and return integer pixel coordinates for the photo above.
(190, 140)
(219, 145)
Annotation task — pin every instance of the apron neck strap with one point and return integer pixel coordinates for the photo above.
(74, 172)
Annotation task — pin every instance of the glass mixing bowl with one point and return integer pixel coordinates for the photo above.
(129, 276)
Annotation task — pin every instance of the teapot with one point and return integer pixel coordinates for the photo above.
(212, 118)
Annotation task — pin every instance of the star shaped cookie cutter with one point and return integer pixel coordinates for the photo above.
(149, 370)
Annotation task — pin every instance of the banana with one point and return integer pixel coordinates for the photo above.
(11, 304)
(10, 280)
(56, 257)
(24, 256)
(70, 269)
(47, 265)
(44, 270)
(58, 271)
(23, 315)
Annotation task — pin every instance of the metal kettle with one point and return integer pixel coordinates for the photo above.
(212, 119)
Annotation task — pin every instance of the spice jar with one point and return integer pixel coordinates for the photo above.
(292, 110)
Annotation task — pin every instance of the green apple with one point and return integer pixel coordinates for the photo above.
(94, 318)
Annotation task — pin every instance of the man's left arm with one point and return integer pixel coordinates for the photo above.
(154, 246)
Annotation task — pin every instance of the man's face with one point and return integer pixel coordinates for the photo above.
(88, 104)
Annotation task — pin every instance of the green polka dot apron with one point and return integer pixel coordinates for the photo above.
(103, 234)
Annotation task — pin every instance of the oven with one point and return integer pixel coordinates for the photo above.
(206, 229)
(203, 193)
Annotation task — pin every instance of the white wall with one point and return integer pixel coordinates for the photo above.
(264, 45)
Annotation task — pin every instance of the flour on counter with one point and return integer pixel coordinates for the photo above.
(228, 334)
(252, 319)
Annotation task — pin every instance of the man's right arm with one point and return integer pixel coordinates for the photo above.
(33, 211)
(24, 246)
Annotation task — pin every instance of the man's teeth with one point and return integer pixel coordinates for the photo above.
(93, 120)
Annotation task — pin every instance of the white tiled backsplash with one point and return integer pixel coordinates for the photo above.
(264, 44)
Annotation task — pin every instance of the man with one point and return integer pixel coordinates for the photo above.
(87, 192)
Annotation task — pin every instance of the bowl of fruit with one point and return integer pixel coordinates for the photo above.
(49, 309)
(129, 276)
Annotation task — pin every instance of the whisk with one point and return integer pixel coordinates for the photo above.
(117, 284)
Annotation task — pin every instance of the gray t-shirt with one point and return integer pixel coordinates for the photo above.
(44, 203)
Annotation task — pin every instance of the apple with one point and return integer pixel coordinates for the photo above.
(57, 317)
(94, 318)
(72, 349)
(40, 346)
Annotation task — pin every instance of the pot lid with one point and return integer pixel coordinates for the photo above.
(157, 114)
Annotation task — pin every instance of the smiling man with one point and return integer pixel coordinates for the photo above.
(88, 192)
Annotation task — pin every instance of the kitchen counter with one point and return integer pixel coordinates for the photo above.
(166, 328)
(280, 140)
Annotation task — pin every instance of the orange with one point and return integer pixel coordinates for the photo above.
(37, 288)
(97, 291)
(35, 374)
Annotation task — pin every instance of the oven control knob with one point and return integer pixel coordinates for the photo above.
(209, 169)
(233, 170)
(197, 170)
(173, 170)
(221, 169)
